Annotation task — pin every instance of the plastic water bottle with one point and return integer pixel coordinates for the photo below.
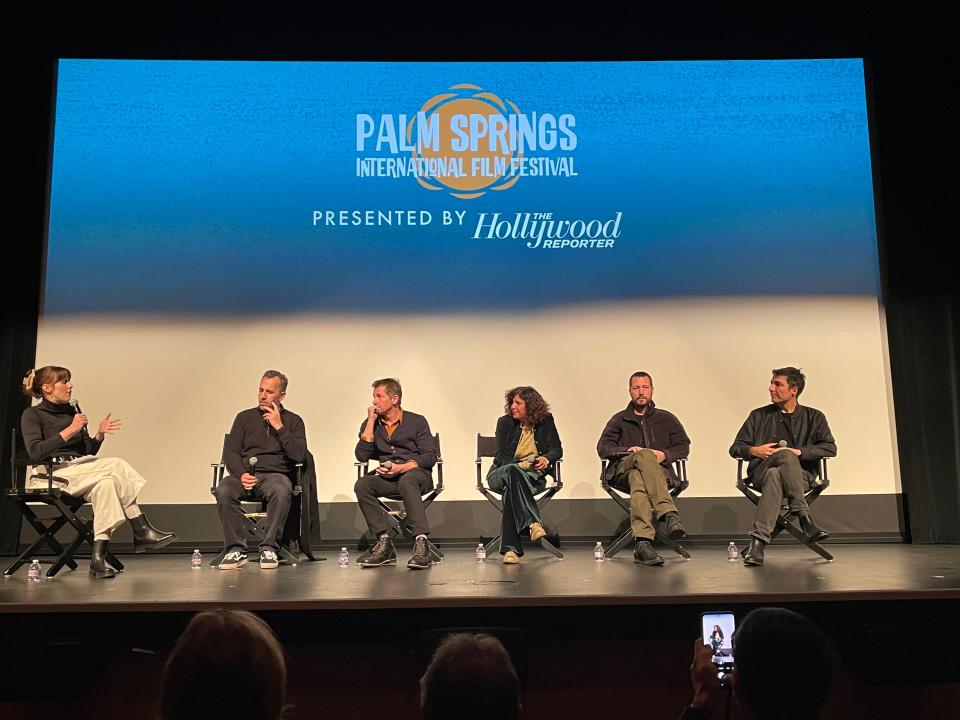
(481, 552)
(196, 560)
(598, 553)
(34, 572)
(732, 552)
(343, 559)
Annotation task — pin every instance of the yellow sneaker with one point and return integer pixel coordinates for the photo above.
(510, 558)
(536, 531)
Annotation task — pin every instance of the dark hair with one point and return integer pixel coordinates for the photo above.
(794, 377)
(774, 647)
(537, 407)
(640, 373)
(277, 374)
(34, 380)
(218, 649)
(470, 677)
(391, 386)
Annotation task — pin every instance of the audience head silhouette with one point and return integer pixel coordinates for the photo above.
(784, 665)
(227, 663)
(470, 677)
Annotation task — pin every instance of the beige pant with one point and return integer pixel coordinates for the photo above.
(110, 485)
(649, 495)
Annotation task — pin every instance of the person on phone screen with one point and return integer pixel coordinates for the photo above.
(402, 443)
(716, 639)
(641, 443)
(784, 442)
(783, 668)
(528, 447)
(57, 430)
(277, 438)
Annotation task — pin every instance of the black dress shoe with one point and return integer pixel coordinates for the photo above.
(810, 530)
(99, 568)
(147, 537)
(645, 554)
(754, 554)
(674, 528)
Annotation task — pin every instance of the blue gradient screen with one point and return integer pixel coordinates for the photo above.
(235, 188)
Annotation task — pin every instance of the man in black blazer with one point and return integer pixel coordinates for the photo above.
(641, 443)
(402, 443)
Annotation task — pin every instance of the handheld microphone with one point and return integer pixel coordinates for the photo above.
(386, 464)
(782, 443)
(253, 465)
(75, 404)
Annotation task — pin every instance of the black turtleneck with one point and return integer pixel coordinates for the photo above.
(40, 426)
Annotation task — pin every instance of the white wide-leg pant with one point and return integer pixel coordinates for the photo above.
(109, 484)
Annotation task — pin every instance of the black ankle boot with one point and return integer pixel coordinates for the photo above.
(810, 530)
(754, 554)
(98, 561)
(147, 537)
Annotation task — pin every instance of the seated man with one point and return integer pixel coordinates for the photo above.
(784, 442)
(402, 443)
(641, 443)
(277, 438)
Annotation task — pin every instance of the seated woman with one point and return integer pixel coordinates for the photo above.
(55, 428)
(527, 447)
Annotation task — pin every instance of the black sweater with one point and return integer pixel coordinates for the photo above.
(411, 440)
(275, 450)
(808, 432)
(40, 426)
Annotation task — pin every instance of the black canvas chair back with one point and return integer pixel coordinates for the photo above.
(65, 505)
(621, 496)
(392, 505)
(258, 511)
(784, 520)
(487, 448)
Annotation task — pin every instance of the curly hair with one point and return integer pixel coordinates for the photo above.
(537, 407)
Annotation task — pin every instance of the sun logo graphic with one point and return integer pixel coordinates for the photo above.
(475, 136)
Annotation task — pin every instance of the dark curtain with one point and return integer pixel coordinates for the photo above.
(915, 134)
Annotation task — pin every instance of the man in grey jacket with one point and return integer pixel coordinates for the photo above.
(784, 442)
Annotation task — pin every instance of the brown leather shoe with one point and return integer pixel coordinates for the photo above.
(510, 558)
(537, 531)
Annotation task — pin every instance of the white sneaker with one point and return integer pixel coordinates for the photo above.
(233, 560)
(268, 559)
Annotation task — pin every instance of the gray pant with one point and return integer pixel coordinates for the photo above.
(410, 486)
(275, 488)
(779, 477)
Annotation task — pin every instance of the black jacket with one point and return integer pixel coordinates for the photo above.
(40, 426)
(545, 435)
(811, 435)
(411, 440)
(656, 429)
(275, 450)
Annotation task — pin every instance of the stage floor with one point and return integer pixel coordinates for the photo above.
(792, 573)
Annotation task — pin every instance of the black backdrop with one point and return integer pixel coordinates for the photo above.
(910, 86)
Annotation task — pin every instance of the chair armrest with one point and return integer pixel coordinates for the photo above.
(556, 473)
(361, 468)
(680, 468)
(741, 478)
(439, 467)
(603, 474)
(824, 479)
(479, 462)
(217, 470)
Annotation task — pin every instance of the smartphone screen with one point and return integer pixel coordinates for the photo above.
(717, 632)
